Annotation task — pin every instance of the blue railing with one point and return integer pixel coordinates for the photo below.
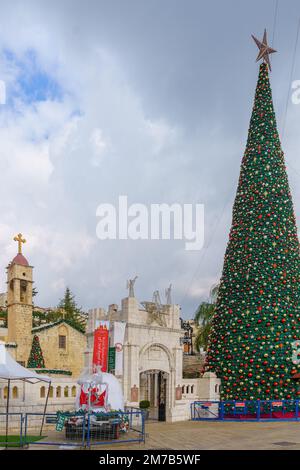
(82, 430)
(248, 410)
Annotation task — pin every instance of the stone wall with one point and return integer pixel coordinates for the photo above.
(71, 358)
(31, 398)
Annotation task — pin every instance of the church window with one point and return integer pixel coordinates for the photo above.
(66, 392)
(188, 389)
(74, 391)
(62, 341)
(51, 392)
(5, 391)
(15, 392)
(182, 390)
(23, 290)
(42, 392)
(58, 392)
(192, 389)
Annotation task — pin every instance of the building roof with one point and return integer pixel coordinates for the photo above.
(20, 259)
(52, 325)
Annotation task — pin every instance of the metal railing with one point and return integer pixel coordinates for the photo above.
(11, 429)
(81, 430)
(248, 410)
(116, 427)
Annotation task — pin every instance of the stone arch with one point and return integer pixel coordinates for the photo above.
(155, 350)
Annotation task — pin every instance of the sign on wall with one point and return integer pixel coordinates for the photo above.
(111, 359)
(118, 342)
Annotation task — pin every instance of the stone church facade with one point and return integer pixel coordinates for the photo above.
(153, 358)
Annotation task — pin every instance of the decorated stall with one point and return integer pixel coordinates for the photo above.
(99, 402)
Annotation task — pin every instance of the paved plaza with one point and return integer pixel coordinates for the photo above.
(214, 436)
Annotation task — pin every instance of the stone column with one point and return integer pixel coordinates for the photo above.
(148, 386)
(155, 389)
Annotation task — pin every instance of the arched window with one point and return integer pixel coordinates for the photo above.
(66, 392)
(187, 389)
(62, 337)
(192, 389)
(23, 291)
(51, 392)
(42, 392)
(182, 389)
(15, 392)
(216, 388)
(5, 391)
(74, 391)
(58, 392)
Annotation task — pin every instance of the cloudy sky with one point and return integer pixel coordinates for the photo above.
(145, 98)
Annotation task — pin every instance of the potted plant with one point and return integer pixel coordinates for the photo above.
(144, 406)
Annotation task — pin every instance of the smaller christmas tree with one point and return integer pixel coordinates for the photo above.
(36, 359)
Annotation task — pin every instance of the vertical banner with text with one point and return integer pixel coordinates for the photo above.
(118, 342)
(101, 342)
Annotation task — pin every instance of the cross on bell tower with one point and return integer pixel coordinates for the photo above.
(19, 303)
(18, 238)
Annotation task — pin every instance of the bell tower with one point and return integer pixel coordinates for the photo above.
(19, 303)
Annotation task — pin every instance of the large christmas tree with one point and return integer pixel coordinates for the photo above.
(253, 344)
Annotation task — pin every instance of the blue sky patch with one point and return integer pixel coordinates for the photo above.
(31, 84)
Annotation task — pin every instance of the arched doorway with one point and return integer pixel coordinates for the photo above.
(154, 388)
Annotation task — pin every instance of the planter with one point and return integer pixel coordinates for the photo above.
(146, 413)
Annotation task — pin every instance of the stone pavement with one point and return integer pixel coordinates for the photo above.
(214, 435)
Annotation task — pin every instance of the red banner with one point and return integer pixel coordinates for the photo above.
(100, 353)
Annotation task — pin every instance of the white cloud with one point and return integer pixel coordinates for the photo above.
(162, 133)
(99, 146)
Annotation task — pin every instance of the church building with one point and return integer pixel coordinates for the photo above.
(62, 345)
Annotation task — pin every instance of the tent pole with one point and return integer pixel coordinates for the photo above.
(7, 408)
(45, 408)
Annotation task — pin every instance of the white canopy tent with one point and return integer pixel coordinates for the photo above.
(11, 370)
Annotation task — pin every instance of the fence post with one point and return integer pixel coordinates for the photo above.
(258, 410)
(26, 423)
(21, 430)
(88, 441)
(143, 427)
(221, 411)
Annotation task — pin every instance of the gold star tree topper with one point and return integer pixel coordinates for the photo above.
(264, 49)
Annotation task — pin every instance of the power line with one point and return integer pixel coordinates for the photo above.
(275, 21)
(216, 224)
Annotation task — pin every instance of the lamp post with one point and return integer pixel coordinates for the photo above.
(188, 335)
